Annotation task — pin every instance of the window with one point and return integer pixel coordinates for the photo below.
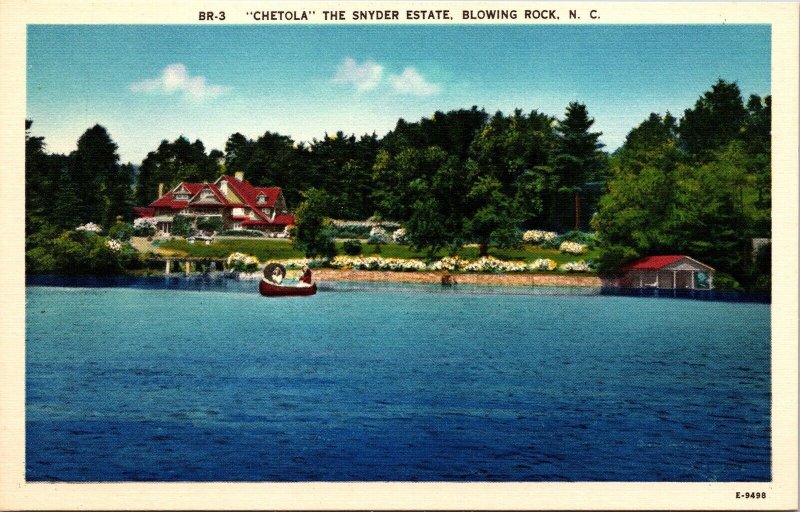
(207, 194)
(261, 198)
(180, 196)
(238, 212)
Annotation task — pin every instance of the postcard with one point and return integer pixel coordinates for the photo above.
(399, 255)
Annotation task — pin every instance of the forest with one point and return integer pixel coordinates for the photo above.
(697, 184)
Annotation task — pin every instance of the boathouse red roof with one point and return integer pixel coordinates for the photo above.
(653, 262)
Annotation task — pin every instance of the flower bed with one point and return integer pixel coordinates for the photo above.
(487, 264)
(576, 266)
(242, 262)
(535, 236)
(572, 248)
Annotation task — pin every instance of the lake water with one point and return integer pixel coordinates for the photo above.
(393, 384)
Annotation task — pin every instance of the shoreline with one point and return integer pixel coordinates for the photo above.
(480, 279)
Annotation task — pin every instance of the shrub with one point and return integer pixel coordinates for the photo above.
(121, 231)
(212, 223)
(39, 261)
(378, 235)
(352, 247)
(543, 264)
(576, 266)
(399, 236)
(81, 252)
(241, 262)
(350, 231)
(181, 226)
(243, 232)
(580, 237)
(572, 247)
(723, 281)
(535, 236)
(90, 227)
(612, 259)
(145, 226)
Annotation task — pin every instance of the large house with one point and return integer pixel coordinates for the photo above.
(234, 199)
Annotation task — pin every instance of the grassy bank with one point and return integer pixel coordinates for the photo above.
(266, 250)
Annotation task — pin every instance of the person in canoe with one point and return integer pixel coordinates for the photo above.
(274, 285)
(305, 278)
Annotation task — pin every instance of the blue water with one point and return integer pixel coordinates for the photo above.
(393, 384)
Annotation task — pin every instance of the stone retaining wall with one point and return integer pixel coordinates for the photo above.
(325, 274)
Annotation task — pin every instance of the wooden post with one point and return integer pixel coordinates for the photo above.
(167, 268)
(674, 279)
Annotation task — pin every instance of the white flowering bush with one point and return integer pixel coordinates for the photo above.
(378, 235)
(543, 264)
(536, 236)
(449, 264)
(377, 263)
(114, 245)
(572, 248)
(576, 266)
(242, 262)
(91, 227)
(298, 263)
(143, 222)
(399, 236)
(144, 226)
(491, 264)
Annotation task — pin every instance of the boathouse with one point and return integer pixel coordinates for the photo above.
(675, 271)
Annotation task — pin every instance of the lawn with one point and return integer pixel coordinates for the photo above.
(266, 250)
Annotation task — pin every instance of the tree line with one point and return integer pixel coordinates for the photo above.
(699, 184)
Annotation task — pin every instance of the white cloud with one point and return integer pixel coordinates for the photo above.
(364, 76)
(411, 82)
(176, 78)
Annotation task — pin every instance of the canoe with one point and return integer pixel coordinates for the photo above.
(275, 290)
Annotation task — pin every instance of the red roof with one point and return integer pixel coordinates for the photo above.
(168, 201)
(284, 218)
(144, 211)
(242, 188)
(653, 262)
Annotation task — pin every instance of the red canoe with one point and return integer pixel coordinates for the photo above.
(275, 290)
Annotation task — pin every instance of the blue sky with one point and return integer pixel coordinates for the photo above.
(148, 83)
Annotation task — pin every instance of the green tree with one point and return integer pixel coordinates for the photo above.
(94, 169)
(716, 119)
(438, 202)
(517, 151)
(174, 162)
(578, 158)
(314, 234)
(495, 221)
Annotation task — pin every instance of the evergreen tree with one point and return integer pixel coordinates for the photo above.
(716, 119)
(578, 158)
(94, 169)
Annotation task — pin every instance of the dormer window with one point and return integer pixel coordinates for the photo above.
(261, 198)
(207, 194)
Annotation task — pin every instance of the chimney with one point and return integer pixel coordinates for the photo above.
(239, 175)
(160, 190)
